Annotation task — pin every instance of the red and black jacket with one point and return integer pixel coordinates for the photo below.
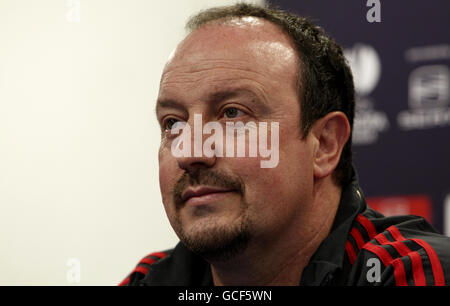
(410, 252)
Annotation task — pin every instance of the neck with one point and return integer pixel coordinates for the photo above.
(280, 259)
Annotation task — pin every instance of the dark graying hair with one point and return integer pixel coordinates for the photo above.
(325, 82)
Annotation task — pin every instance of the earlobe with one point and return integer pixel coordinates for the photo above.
(332, 132)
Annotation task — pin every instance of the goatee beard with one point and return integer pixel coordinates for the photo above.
(221, 243)
(216, 242)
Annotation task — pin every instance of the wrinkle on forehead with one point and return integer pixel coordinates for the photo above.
(187, 77)
(202, 68)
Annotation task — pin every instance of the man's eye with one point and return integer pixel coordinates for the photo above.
(169, 123)
(232, 112)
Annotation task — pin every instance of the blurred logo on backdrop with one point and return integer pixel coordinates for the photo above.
(366, 68)
(419, 205)
(428, 89)
(428, 98)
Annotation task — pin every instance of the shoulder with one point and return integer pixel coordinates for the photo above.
(402, 250)
(143, 267)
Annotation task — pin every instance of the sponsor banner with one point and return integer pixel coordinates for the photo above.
(366, 67)
(428, 99)
(419, 205)
(402, 107)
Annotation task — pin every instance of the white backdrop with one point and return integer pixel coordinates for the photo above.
(79, 194)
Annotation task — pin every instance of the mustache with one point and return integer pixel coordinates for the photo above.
(208, 177)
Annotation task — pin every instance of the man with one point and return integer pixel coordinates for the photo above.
(303, 221)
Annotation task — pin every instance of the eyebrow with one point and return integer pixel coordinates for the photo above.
(219, 96)
(169, 103)
(213, 98)
(258, 99)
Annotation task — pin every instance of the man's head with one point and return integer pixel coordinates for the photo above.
(252, 64)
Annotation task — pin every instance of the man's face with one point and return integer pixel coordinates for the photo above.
(244, 70)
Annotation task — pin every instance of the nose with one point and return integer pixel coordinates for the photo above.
(192, 164)
(197, 159)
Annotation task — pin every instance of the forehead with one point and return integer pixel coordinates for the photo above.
(249, 50)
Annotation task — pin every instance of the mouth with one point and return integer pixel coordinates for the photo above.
(203, 195)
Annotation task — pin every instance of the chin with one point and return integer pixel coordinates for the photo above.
(215, 240)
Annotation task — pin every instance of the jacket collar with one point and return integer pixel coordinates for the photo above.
(181, 267)
(328, 261)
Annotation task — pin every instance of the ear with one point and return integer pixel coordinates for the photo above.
(331, 133)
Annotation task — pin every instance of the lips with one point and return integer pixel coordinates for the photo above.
(203, 193)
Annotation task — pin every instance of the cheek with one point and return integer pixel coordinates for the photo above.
(167, 175)
(261, 184)
(164, 183)
(266, 195)
(275, 194)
